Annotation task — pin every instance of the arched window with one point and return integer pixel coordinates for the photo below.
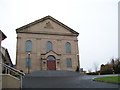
(68, 47)
(69, 63)
(51, 57)
(49, 46)
(28, 46)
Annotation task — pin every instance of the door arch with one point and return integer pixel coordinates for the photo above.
(51, 62)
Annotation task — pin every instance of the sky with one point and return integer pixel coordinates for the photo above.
(95, 20)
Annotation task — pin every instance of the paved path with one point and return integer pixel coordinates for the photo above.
(62, 79)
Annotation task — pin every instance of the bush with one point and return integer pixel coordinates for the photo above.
(93, 73)
(108, 71)
(117, 69)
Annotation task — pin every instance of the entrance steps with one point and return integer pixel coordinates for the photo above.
(57, 73)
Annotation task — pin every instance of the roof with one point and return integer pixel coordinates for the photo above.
(6, 55)
(45, 18)
(3, 35)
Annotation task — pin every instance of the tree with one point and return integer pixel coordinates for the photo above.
(106, 69)
(117, 66)
(112, 67)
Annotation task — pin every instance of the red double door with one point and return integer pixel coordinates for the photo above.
(51, 65)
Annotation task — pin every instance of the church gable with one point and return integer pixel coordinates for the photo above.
(47, 25)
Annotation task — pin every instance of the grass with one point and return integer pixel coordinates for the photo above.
(109, 79)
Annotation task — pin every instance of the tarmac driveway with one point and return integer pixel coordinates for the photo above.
(62, 79)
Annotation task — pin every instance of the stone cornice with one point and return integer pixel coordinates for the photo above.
(60, 34)
(18, 37)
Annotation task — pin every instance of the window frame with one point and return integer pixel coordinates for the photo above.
(28, 63)
(28, 46)
(51, 58)
(49, 46)
(68, 62)
(68, 47)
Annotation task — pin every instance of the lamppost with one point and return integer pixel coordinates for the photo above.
(28, 62)
(78, 62)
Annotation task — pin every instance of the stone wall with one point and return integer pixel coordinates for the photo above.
(9, 81)
(39, 34)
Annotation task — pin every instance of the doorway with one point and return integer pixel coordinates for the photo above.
(51, 63)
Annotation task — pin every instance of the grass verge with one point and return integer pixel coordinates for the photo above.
(109, 79)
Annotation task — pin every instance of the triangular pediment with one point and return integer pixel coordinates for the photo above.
(51, 52)
(46, 25)
(56, 55)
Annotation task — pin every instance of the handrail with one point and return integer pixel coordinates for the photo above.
(9, 69)
(12, 69)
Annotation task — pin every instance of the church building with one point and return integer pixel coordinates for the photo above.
(46, 44)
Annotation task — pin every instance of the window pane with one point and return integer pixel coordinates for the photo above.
(49, 46)
(28, 46)
(28, 62)
(68, 47)
(51, 57)
(69, 62)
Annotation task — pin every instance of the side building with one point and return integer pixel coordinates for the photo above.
(6, 57)
(2, 37)
(46, 44)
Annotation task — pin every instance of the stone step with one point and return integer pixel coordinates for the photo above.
(59, 73)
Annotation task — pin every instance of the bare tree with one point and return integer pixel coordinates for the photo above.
(89, 70)
(95, 67)
(112, 62)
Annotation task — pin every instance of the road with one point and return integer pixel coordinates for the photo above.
(61, 80)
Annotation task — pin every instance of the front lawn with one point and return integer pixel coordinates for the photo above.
(109, 79)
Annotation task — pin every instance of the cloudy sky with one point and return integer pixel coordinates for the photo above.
(95, 20)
